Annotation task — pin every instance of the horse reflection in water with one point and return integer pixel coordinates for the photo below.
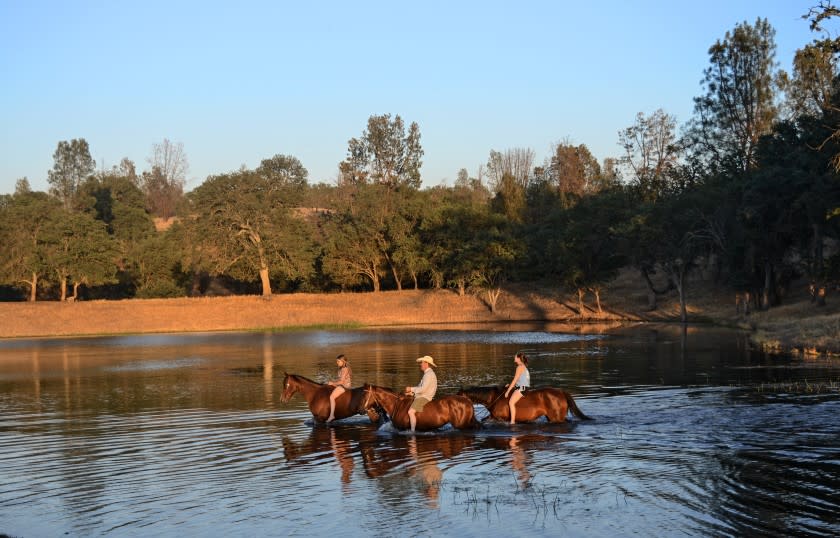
(317, 396)
(341, 442)
(521, 448)
(552, 403)
(458, 411)
(425, 453)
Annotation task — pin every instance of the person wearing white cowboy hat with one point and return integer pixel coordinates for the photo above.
(425, 391)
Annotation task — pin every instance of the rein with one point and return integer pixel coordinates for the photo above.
(496, 399)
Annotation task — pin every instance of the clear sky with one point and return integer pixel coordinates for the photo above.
(238, 82)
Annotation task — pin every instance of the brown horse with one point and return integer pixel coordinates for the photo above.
(317, 395)
(455, 410)
(552, 403)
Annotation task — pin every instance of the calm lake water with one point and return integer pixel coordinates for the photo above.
(182, 435)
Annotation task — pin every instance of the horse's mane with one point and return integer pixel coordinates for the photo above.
(300, 377)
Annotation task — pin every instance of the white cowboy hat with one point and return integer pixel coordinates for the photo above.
(428, 359)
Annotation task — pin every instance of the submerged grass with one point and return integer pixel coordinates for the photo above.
(800, 387)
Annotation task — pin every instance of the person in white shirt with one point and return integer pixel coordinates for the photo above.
(425, 391)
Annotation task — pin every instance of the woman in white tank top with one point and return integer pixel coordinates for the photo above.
(520, 383)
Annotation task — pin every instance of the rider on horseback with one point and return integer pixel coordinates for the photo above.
(341, 384)
(425, 391)
(520, 383)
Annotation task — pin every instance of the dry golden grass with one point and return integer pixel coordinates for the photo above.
(797, 325)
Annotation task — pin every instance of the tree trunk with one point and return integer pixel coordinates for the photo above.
(681, 292)
(396, 274)
(597, 292)
(63, 289)
(818, 251)
(768, 282)
(266, 283)
(580, 293)
(493, 295)
(462, 288)
(653, 292)
(33, 288)
(76, 291)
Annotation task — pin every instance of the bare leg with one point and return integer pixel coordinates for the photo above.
(512, 404)
(412, 418)
(338, 391)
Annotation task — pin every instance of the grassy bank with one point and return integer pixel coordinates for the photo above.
(797, 325)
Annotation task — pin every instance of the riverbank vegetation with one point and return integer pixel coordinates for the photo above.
(744, 199)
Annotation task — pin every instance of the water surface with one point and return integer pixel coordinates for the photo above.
(169, 435)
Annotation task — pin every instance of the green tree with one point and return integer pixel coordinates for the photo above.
(78, 250)
(583, 246)
(24, 219)
(384, 154)
(739, 105)
(247, 225)
(72, 164)
(117, 201)
(370, 232)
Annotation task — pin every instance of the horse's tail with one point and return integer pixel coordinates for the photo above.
(574, 408)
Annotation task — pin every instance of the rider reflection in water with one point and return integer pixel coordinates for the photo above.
(425, 391)
(427, 470)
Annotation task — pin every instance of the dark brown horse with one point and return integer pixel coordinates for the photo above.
(455, 410)
(317, 395)
(552, 403)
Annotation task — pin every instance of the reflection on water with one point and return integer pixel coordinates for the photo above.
(185, 434)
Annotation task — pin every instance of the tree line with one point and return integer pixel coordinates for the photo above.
(748, 189)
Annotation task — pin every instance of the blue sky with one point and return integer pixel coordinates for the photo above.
(237, 82)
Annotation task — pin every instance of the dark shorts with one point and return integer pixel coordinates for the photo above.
(521, 389)
(419, 403)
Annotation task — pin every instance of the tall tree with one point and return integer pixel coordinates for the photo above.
(72, 163)
(164, 183)
(516, 163)
(810, 88)
(651, 152)
(573, 170)
(384, 154)
(739, 105)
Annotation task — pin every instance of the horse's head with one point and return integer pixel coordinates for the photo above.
(482, 395)
(290, 386)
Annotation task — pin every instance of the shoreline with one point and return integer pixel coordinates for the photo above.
(797, 327)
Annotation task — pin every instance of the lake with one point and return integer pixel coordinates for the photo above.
(178, 435)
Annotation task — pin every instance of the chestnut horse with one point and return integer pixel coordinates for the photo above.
(455, 410)
(317, 395)
(552, 403)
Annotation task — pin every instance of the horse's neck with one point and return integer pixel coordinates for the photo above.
(308, 388)
(388, 400)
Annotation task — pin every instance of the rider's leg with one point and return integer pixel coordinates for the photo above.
(338, 391)
(512, 403)
(412, 418)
